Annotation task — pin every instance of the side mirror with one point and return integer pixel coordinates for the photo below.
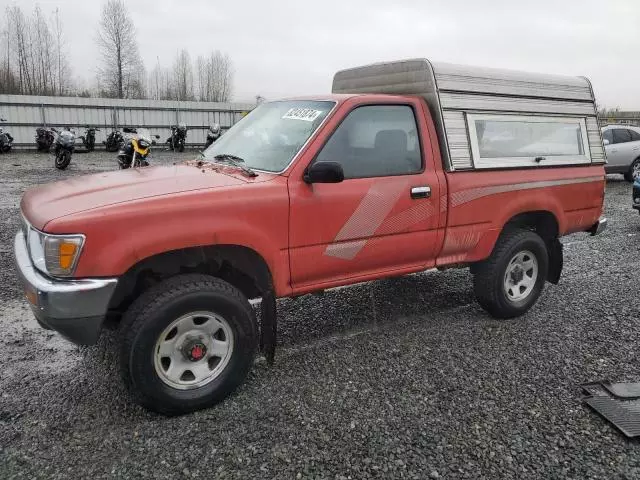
(605, 142)
(324, 172)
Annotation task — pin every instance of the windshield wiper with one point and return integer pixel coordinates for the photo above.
(230, 157)
(236, 162)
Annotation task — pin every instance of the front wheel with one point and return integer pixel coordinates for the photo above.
(510, 281)
(187, 343)
(63, 159)
(634, 171)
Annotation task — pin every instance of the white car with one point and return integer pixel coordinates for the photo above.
(622, 145)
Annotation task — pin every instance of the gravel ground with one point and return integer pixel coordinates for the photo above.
(402, 378)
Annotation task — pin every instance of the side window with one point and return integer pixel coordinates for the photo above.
(375, 141)
(635, 136)
(511, 141)
(608, 135)
(621, 135)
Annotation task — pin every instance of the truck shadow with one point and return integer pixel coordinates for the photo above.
(338, 311)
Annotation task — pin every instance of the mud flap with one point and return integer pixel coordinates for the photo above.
(269, 327)
(556, 261)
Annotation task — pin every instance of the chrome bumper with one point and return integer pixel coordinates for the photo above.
(599, 227)
(75, 308)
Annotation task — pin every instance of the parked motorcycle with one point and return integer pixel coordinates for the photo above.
(6, 140)
(212, 134)
(178, 137)
(44, 138)
(114, 141)
(63, 148)
(136, 148)
(89, 138)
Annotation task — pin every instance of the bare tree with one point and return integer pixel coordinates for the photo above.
(60, 57)
(18, 33)
(9, 82)
(122, 71)
(201, 71)
(183, 75)
(32, 55)
(161, 83)
(42, 51)
(215, 77)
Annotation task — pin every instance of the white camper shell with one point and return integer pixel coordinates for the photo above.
(493, 118)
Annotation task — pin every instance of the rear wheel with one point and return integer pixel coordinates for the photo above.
(510, 281)
(634, 171)
(187, 343)
(63, 159)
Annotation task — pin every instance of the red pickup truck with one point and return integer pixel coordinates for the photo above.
(407, 166)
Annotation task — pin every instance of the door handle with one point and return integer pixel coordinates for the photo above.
(614, 150)
(420, 192)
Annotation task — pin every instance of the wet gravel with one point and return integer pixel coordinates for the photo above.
(402, 378)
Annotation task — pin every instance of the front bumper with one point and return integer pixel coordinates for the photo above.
(75, 308)
(598, 227)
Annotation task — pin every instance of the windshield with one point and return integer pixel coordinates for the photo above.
(272, 134)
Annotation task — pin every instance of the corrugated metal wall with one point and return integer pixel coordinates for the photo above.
(24, 113)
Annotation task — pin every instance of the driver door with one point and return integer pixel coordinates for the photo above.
(383, 217)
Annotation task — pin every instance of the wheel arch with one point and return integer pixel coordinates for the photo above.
(241, 266)
(546, 224)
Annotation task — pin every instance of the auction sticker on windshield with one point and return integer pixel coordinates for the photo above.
(306, 114)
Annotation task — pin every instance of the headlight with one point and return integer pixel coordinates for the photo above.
(55, 255)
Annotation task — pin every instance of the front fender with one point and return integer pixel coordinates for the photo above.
(120, 236)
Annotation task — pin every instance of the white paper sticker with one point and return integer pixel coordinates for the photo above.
(305, 114)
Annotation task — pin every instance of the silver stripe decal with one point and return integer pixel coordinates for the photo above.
(366, 219)
(465, 196)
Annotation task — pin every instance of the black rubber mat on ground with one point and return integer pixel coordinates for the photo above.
(622, 408)
(625, 391)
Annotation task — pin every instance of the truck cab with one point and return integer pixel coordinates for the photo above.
(405, 167)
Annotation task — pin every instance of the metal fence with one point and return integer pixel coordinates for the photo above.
(24, 113)
(625, 118)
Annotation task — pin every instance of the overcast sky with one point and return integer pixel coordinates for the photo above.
(284, 48)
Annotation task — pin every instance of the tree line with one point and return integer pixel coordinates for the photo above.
(34, 61)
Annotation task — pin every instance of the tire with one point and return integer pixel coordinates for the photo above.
(63, 159)
(181, 147)
(490, 279)
(633, 172)
(144, 328)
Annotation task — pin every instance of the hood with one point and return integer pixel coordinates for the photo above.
(42, 204)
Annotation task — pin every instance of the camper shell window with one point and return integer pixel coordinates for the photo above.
(499, 141)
